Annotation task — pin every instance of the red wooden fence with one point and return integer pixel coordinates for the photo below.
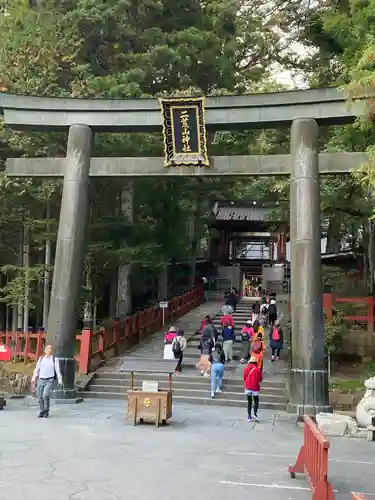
(313, 461)
(113, 335)
(330, 302)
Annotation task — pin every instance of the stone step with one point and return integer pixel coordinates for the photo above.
(180, 385)
(194, 342)
(191, 393)
(177, 399)
(190, 355)
(194, 377)
(237, 314)
(189, 387)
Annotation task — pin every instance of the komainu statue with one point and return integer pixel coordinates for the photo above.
(365, 413)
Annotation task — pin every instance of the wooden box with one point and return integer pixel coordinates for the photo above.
(153, 407)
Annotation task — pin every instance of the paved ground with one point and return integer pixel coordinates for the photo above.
(88, 451)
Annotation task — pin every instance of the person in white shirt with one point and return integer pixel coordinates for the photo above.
(47, 370)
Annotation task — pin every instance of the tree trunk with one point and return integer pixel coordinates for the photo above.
(94, 314)
(334, 234)
(19, 303)
(124, 304)
(163, 283)
(195, 234)
(14, 317)
(365, 255)
(124, 293)
(371, 257)
(26, 265)
(193, 263)
(7, 325)
(87, 313)
(47, 273)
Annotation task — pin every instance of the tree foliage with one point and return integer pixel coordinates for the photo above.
(132, 48)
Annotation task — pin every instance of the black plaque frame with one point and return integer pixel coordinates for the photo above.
(174, 140)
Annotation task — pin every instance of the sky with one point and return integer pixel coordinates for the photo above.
(292, 79)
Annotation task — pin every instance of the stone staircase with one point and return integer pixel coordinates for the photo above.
(190, 387)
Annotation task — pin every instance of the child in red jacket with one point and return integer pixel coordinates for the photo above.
(252, 377)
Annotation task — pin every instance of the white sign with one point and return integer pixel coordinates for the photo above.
(163, 305)
(150, 386)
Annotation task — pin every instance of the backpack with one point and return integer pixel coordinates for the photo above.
(176, 347)
(272, 309)
(257, 347)
(264, 309)
(276, 335)
(227, 320)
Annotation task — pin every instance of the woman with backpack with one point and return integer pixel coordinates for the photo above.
(178, 346)
(217, 360)
(272, 312)
(206, 321)
(257, 349)
(206, 345)
(168, 340)
(228, 335)
(246, 336)
(276, 341)
(258, 328)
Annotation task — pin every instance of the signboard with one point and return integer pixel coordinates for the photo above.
(5, 354)
(184, 132)
(163, 305)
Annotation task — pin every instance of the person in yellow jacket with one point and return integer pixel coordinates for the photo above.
(258, 346)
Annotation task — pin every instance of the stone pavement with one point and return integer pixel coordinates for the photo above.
(88, 451)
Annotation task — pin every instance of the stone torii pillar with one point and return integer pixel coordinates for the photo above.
(70, 252)
(309, 376)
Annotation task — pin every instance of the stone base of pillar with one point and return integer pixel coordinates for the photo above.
(65, 397)
(34, 402)
(66, 393)
(308, 391)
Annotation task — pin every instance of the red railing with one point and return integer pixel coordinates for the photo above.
(358, 496)
(113, 336)
(330, 302)
(313, 461)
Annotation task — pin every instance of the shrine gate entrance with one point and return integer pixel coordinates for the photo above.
(185, 123)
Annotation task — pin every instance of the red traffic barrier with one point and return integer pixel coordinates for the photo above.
(358, 496)
(5, 353)
(312, 460)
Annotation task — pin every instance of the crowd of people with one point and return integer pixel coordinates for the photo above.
(215, 354)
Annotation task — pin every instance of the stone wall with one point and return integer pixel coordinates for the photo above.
(13, 382)
(358, 341)
(344, 401)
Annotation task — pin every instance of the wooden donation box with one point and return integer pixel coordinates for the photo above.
(149, 403)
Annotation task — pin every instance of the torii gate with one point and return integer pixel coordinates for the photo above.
(305, 110)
